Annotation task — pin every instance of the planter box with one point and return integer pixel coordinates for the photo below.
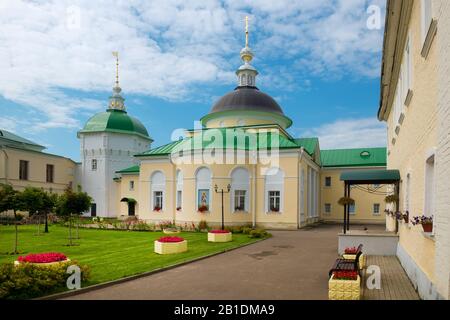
(220, 237)
(168, 231)
(170, 247)
(49, 264)
(362, 259)
(344, 289)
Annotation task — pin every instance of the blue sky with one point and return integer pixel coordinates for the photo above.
(317, 58)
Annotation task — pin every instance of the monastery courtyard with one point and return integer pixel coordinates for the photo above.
(301, 260)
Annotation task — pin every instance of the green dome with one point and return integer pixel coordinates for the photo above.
(115, 121)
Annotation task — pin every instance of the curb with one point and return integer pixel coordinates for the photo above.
(66, 294)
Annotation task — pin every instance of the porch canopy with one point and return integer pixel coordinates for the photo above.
(366, 177)
(129, 200)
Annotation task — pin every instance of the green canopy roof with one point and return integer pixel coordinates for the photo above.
(362, 157)
(115, 121)
(371, 176)
(130, 170)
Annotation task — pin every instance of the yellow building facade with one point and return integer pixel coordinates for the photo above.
(415, 68)
(23, 163)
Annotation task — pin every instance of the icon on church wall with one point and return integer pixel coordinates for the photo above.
(203, 199)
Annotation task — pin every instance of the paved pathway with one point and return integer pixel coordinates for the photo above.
(395, 284)
(292, 265)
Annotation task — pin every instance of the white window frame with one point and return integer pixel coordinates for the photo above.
(240, 180)
(179, 189)
(159, 194)
(94, 165)
(240, 195)
(328, 186)
(158, 184)
(274, 181)
(374, 212)
(274, 195)
(329, 207)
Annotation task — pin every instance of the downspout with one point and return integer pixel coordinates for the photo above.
(6, 163)
(254, 197)
(299, 201)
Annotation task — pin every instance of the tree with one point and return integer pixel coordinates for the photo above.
(11, 199)
(73, 203)
(34, 202)
(49, 201)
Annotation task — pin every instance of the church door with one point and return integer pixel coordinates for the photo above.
(131, 208)
(94, 210)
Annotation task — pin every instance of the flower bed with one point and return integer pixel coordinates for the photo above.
(220, 236)
(344, 285)
(43, 259)
(352, 250)
(170, 245)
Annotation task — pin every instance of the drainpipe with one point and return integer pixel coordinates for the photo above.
(299, 201)
(6, 163)
(254, 197)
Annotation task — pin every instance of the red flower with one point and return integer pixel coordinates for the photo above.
(219, 231)
(203, 209)
(171, 239)
(351, 250)
(43, 257)
(345, 275)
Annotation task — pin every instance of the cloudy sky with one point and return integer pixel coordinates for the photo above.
(317, 58)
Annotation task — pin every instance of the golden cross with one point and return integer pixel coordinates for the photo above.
(246, 31)
(116, 54)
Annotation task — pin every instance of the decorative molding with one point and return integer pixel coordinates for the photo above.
(429, 38)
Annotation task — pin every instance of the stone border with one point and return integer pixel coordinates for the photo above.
(94, 287)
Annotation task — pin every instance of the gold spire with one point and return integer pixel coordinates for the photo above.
(246, 31)
(116, 54)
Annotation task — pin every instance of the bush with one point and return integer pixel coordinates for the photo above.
(258, 233)
(246, 230)
(141, 226)
(202, 225)
(28, 281)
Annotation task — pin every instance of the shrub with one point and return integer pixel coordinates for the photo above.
(27, 281)
(141, 226)
(246, 230)
(202, 225)
(166, 224)
(346, 201)
(258, 233)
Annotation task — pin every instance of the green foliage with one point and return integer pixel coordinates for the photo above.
(246, 230)
(346, 201)
(73, 203)
(258, 233)
(202, 225)
(29, 281)
(393, 198)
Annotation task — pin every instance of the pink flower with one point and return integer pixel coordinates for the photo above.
(43, 257)
(171, 239)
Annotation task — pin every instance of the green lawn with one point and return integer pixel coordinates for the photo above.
(110, 254)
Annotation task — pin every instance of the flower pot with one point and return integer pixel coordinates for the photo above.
(220, 237)
(428, 228)
(170, 247)
(344, 289)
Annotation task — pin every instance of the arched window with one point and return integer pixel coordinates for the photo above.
(243, 80)
(249, 80)
(203, 189)
(274, 190)
(240, 190)
(179, 190)
(158, 183)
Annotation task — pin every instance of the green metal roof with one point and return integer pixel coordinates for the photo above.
(115, 121)
(11, 138)
(133, 169)
(263, 140)
(354, 157)
(371, 176)
(309, 144)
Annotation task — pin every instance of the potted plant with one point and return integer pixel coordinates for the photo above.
(170, 245)
(157, 209)
(203, 209)
(43, 259)
(220, 236)
(239, 208)
(344, 285)
(346, 201)
(179, 209)
(426, 222)
(392, 198)
(275, 209)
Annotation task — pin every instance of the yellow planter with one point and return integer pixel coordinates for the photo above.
(170, 247)
(344, 289)
(362, 259)
(220, 237)
(49, 264)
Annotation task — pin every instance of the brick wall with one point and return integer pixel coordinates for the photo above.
(442, 218)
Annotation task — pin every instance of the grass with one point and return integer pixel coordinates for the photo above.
(110, 254)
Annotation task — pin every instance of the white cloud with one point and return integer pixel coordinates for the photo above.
(350, 133)
(169, 48)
